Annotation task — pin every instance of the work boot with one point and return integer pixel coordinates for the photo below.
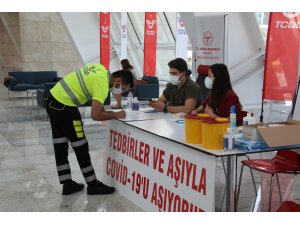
(71, 187)
(98, 188)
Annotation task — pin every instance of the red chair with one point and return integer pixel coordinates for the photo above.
(285, 161)
(202, 71)
(289, 206)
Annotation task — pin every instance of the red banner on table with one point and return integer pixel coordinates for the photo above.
(282, 53)
(150, 36)
(105, 39)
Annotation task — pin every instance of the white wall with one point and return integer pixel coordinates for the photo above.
(244, 42)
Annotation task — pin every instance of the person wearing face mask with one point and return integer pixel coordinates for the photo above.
(89, 83)
(222, 96)
(181, 94)
(125, 64)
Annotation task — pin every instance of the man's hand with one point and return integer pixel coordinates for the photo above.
(121, 114)
(157, 105)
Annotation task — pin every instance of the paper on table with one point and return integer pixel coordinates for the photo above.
(149, 110)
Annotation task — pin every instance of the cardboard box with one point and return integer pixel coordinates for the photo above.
(250, 132)
(283, 135)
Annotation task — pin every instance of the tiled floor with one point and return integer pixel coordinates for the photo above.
(28, 177)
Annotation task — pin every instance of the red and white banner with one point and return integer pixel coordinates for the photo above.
(282, 53)
(105, 39)
(150, 36)
(182, 39)
(158, 174)
(209, 40)
(123, 54)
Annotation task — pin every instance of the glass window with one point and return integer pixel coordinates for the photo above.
(166, 31)
(263, 23)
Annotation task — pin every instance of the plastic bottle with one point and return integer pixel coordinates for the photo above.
(232, 117)
(129, 100)
(135, 104)
(229, 139)
(248, 120)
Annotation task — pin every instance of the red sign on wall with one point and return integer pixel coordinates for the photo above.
(150, 36)
(282, 54)
(105, 39)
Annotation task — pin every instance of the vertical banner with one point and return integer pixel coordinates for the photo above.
(282, 53)
(182, 39)
(105, 39)
(209, 41)
(123, 53)
(150, 36)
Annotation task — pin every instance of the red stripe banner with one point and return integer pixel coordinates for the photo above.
(105, 39)
(150, 36)
(282, 53)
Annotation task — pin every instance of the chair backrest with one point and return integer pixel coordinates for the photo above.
(34, 77)
(149, 80)
(202, 74)
(288, 156)
(147, 91)
(203, 70)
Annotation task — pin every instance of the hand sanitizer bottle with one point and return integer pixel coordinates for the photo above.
(232, 117)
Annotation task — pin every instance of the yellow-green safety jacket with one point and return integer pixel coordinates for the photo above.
(88, 83)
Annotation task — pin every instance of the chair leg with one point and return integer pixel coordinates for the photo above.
(270, 194)
(253, 182)
(279, 189)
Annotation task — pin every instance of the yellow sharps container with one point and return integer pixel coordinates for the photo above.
(193, 128)
(213, 130)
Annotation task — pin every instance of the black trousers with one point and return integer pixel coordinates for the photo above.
(67, 127)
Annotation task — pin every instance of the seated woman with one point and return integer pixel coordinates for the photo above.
(222, 96)
(125, 64)
(181, 94)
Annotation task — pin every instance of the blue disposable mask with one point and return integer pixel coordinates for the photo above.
(208, 82)
(175, 80)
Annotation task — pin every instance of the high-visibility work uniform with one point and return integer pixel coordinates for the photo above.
(88, 83)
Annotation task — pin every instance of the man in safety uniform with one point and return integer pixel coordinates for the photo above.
(90, 82)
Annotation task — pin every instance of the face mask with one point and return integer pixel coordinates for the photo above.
(208, 82)
(116, 91)
(175, 79)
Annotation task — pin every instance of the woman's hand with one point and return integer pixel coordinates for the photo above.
(195, 112)
(210, 112)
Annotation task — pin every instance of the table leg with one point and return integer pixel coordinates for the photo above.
(231, 183)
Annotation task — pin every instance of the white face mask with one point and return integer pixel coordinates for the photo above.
(175, 79)
(208, 82)
(116, 91)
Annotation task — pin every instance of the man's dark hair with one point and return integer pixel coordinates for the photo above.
(126, 76)
(181, 65)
